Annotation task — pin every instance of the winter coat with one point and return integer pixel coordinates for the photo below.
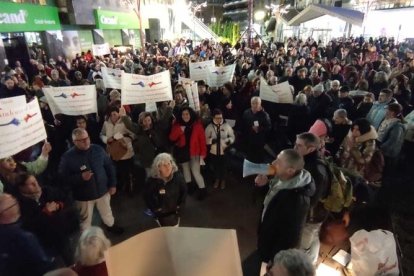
(319, 106)
(298, 121)
(165, 199)
(75, 161)
(409, 136)
(226, 137)
(197, 143)
(109, 129)
(391, 135)
(281, 229)
(148, 143)
(354, 155)
(377, 113)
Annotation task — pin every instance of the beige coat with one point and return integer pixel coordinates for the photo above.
(109, 130)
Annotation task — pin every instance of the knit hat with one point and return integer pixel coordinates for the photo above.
(319, 128)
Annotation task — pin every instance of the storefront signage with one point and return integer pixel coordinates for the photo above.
(116, 20)
(26, 17)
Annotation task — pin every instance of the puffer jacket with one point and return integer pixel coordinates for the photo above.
(109, 130)
(354, 155)
(197, 143)
(391, 137)
(226, 137)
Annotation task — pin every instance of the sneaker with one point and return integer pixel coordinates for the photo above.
(115, 229)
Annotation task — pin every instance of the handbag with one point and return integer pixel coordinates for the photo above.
(117, 149)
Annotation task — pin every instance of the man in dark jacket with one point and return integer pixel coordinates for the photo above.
(90, 174)
(255, 127)
(291, 189)
(307, 145)
(20, 251)
(319, 103)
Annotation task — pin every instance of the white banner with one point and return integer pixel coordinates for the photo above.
(111, 77)
(138, 89)
(72, 100)
(201, 70)
(191, 89)
(100, 49)
(279, 93)
(150, 107)
(220, 75)
(21, 125)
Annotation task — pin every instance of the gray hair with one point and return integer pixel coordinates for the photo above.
(301, 99)
(335, 82)
(295, 261)
(91, 247)
(162, 158)
(341, 113)
(380, 76)
(76, 132)
(294, 159)
(256, 99)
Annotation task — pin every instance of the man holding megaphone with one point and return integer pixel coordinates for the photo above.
(285, 206)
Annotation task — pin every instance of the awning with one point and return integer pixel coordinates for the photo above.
(316, 10)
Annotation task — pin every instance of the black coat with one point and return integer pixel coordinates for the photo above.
(281, 227)
(298, 121)
(165, 199)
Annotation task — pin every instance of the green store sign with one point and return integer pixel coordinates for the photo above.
(27, 18)
(116, 20)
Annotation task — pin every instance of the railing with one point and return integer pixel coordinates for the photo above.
(198, 27)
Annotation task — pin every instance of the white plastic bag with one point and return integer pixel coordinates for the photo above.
(374, 253)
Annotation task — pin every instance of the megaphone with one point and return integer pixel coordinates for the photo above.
(250, 168)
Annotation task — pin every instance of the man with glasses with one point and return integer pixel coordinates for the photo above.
(20, 251)
(90, 174)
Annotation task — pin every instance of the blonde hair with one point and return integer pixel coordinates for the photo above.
(91, 247)
(162, 158)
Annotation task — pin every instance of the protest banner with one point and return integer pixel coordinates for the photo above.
(279, 93)
(100, 49)
(220, 75)
(21, 125)
(201, 70)
(111, 77)
(138, 89)
(191, 90)
(150, 107)
(72, 100)
(180, 251)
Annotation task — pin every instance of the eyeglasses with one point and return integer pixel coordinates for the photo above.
(8, 208)
(82, 140)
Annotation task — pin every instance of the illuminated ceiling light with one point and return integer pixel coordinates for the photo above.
(259, 15)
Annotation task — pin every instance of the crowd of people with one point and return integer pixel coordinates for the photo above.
(352, 109)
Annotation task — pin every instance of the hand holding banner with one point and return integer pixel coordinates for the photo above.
(72, 100)
(111, 77)
(138, 89)
(21, 125)
(279, 93)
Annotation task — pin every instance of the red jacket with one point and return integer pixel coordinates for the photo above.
(197, 142)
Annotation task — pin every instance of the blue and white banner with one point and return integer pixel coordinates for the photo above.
(72, 100)
(111, 77)
(138, 89)
(21, 125)
(220, 75)
(279, 93)
(201, 70)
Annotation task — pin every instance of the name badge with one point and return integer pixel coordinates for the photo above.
(162, 191)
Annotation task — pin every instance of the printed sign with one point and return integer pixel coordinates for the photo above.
(201, 70)
(138, 89)
(21, 125)
(100, 49)
(72, 100)
(279, 93)
(191, 89)
(220, 75)
(111, 77)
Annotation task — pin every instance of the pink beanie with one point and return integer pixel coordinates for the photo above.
(319, 128)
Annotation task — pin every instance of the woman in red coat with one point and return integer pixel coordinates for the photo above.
(187, 134)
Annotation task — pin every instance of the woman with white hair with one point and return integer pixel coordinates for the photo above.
(89, 255)
(165, 191)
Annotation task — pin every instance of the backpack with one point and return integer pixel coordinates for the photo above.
(340, 192)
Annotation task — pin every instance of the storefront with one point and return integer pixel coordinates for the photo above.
(119, 28)
(22, 30)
